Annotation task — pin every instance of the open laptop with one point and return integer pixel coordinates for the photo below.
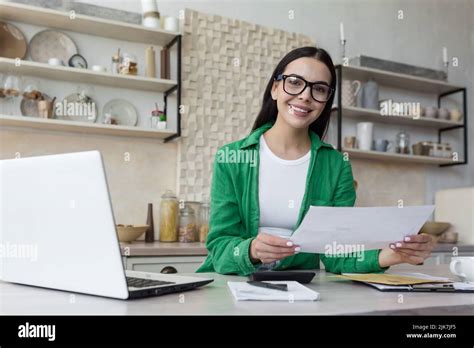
(58, 230)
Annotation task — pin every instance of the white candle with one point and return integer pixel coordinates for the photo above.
(341, 30)
(445, 55)
(149, 6)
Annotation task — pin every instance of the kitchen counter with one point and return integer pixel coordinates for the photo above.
(338, 297)
(140, 248)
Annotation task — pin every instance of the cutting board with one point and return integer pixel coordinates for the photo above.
(457, 207)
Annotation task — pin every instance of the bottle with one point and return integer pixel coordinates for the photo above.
(169, 215)
(204, 222)
(116, 60)
(150, 69)
(150, 232)
(187, 225)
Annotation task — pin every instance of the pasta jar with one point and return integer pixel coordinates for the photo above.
(203, 222)
(187, 225)
(169, 215)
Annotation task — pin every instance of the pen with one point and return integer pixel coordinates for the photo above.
(281, 287)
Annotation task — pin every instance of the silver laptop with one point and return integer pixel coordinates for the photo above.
(58, 230)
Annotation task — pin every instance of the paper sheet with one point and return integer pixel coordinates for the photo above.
(345, 230)
(296, 292)
(392, 279)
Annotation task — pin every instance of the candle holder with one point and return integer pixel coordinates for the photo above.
(343, 50)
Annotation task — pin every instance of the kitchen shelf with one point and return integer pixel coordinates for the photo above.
(402, 81)
(84, 24)
(81, 127)
(103, 28)
(65, 73)
(409, 83)
(374, 116)
(387, 156)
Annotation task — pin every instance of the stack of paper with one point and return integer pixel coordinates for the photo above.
(243, 291)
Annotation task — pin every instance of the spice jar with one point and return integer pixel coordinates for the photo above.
(187, 225)
(204, 222)
(169, 215)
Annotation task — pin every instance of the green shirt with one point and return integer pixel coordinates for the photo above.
(234, 218)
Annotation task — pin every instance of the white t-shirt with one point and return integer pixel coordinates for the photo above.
(281, 187)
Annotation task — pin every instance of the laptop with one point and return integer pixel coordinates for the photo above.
(58, 230)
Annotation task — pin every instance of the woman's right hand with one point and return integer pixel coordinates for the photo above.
(267, 248)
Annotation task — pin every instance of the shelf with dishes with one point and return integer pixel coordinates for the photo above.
(82, 127)
(358, 99)
(408, 120)
(72, 74)
(84, 24)
(54, 55)
(388, 156)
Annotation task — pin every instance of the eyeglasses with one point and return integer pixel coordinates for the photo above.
(294, 85)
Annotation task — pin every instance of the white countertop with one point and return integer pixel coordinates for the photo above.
(338, 296)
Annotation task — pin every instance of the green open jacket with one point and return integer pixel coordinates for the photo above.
(234, 219)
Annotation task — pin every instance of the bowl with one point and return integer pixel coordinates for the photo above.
(129, 233)
(435, 228)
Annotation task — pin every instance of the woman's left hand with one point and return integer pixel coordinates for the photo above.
(413, 250)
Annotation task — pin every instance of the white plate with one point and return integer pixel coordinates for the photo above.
(122, 111)
(75, 108)
(51, 44)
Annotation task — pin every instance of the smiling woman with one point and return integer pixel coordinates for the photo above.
(253, 204)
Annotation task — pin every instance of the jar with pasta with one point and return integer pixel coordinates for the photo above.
(169, 217)
(187, 225)
(204, 222)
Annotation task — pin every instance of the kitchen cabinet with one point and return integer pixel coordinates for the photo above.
(164, 264)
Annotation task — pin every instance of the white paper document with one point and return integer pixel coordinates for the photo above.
(332, 230)
(296, 292)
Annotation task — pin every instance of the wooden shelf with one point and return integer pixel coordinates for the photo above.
(84, 24)
(374, 116)
(81, 127)
(388, 156)
(402, 81)
(65, 73)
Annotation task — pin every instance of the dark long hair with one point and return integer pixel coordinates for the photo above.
(269, 108)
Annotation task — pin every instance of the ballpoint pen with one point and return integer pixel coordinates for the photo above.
(281, 287)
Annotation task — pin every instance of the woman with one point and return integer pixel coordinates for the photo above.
(269, 179)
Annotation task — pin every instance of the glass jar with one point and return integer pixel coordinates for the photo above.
(169, 215)
(128, 66)
(204, 222)
(403, 143)
(187, 225)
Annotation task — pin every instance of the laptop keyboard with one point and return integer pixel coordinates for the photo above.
(143, 283)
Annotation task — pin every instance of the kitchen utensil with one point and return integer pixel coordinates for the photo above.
(29, 107)
(350, 90)
(83, 106)
(122, 112)
(99, 68)
(431, 112)
(171, 23)
(14, 44)
(77, 61)
(364, 135)
(435, 228)
(55, 62)
(463, 267)
(45, 108)
(382, 145)
(129, 233)
(402, 144)
(350, 142)
(370, 95)
(455, 115)
(51, 44)
(443, 114)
